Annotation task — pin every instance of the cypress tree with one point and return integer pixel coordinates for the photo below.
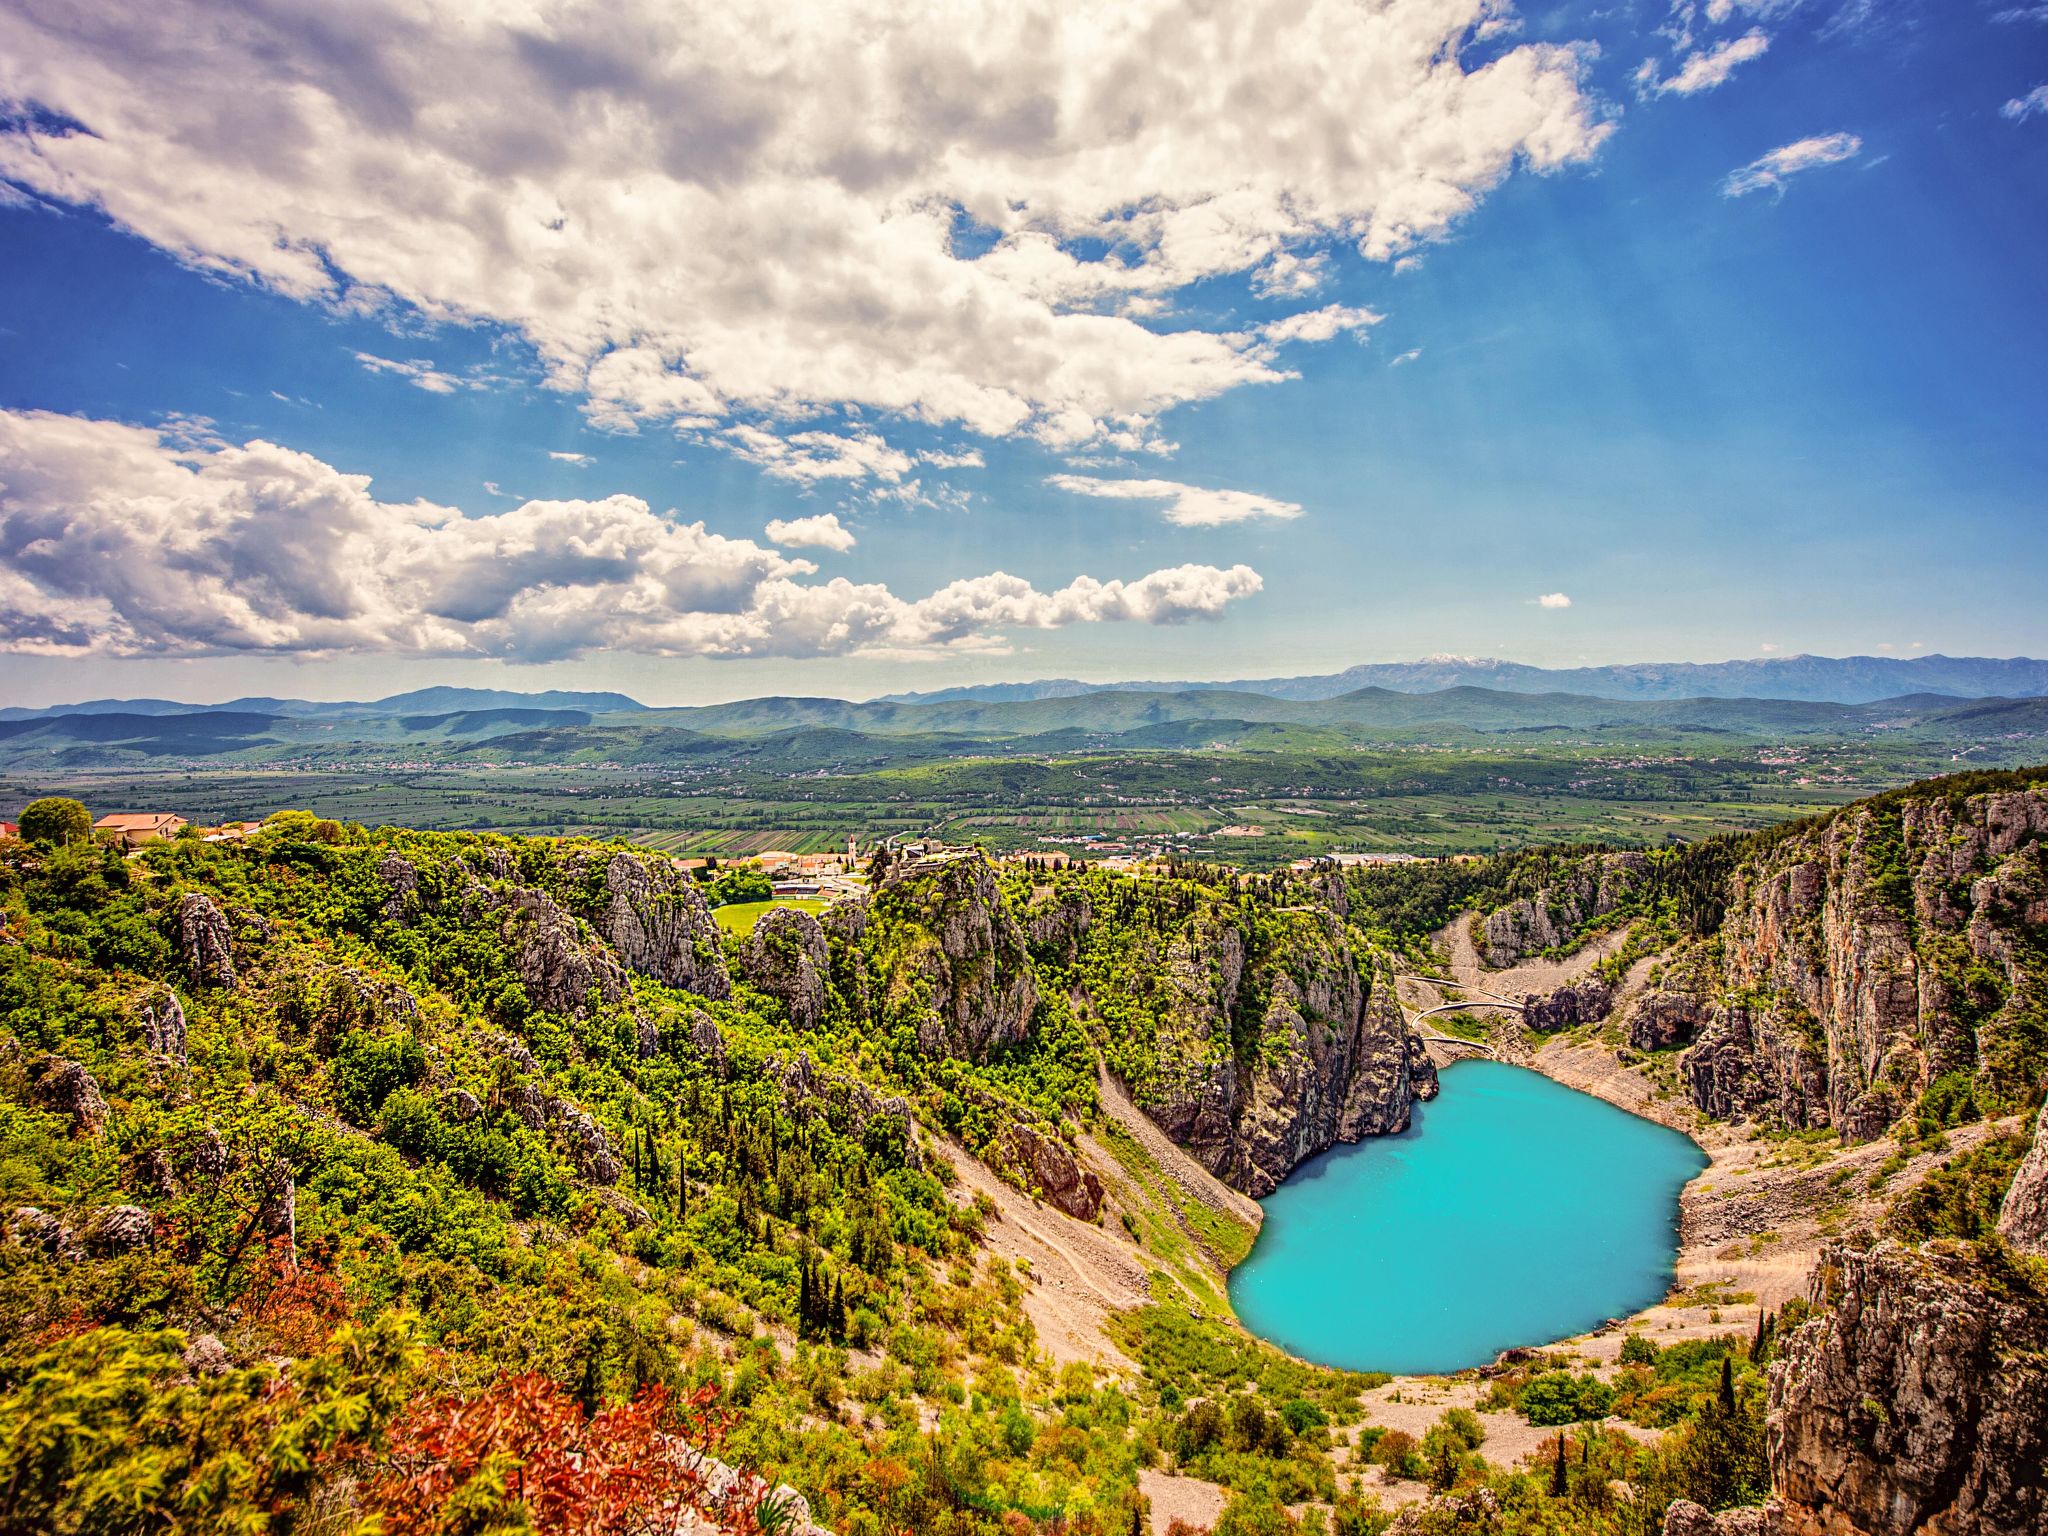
(1558, 1484)
(1727, 1386)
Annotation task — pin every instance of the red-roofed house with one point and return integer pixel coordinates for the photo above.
(134, 828)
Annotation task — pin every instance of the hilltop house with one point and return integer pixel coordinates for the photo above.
(134, 828)
(9, 829)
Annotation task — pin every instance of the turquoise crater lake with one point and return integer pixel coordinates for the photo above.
(1512, 1211)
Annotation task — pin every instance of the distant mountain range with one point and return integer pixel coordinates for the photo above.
(797, 734)
(1816, 679)
(421, 701)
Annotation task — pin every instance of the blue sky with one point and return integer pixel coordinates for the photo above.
(1750, 363)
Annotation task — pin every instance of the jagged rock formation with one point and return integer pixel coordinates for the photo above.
(847, 1104)
(1581, 1002)
(786, 957)
(1597, 886)
(119, 1229)
(1264, 1062)
(1874, 953)
(1678, 1003)
(953, 958)
(1051, 1167)
(1916, 1404)
(203, 940)
(661, 927)
(163, 1027)
(2023, 1220)
(1056, 926)
(562, 972)
(65, 1088)
(1685, 1518)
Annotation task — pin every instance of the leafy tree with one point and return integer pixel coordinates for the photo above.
(54, 819)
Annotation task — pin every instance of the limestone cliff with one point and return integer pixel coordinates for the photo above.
(1267, 1036)
(1916, 1404)
(1596, 886)
(1866, 956)
(951, 957)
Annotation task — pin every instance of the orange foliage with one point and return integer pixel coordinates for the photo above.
(525, 1442)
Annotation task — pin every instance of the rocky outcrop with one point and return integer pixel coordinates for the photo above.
(785, 956)
(119, 1229)
(1056, 926)
(401, 884)
(848, 1105)
(41, 1232)
(1595, 886)
(1868, 955)
(65, 1088)
(1049, 1165)
(1916, 1404)
(1266, 1060)
(953, 957)
(562, 972)
(581, 1139)
(2023, 1220)
(203, 941)
(1581, 1002)
(163, 1027)
(1759, 1060)
(660, 926)
(1685, 1518)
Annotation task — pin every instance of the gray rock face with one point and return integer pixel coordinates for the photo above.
(163, 1027)
(1335, 1061)
(846, 1103)
(1582, 1002)
(402, 882)
(203, 940)
(1750, 1063)
(585, 1142)
(65, 1088)
(960, 966)
(661, 927)
(1915, 1405)
(786, 957)
(119, 1229)
(706, 1041)
(1685, 1518)
(1056, 927)
(2023, 1220)
(1873, 953)
(42, 1232)
(1549, 919)
(1663, 1020)
(562, 972)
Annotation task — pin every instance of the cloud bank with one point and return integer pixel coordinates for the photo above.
(124, 541)
(730, 215)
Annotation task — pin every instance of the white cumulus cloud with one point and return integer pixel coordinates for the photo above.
(1772, 171)
(1191, 506)
(751, 212)
(1553, 600)
(824, 531)
(580, 460)
(126, 541)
